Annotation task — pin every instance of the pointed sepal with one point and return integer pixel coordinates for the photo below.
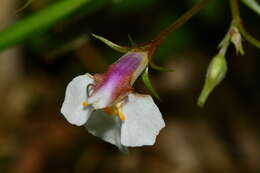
(148, 84)
(133, 44)
(112, 45)
(159, 68)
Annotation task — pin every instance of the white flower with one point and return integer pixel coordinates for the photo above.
(107, 106)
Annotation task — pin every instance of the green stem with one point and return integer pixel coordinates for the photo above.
(248, 36)
(224, 44)
(234, 9)
(42, 20)
(237, 20)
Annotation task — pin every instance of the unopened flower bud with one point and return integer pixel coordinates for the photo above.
(236, 39)
(215, 74)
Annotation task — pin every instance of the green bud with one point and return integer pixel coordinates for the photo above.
(215, 74)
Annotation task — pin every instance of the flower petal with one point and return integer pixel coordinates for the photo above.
(118, 80)
(106, 127)
(75, 95)
(143, 121)
(102, 98)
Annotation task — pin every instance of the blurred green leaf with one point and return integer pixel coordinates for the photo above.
(24, 6)
(43, 20)
(253, 4)
(66, 47)
(130, 6)
(211, 12)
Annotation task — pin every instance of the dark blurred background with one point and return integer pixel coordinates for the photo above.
(224, 136)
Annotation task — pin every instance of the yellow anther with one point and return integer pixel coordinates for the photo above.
(120, 114)
(110, 110)
(85, 104)
(115, 110)
(119, 111)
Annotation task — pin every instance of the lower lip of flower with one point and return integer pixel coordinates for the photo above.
(115, 110)
(111, 110)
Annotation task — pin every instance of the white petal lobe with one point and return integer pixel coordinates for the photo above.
(106, 127)
(143, 121)
(75, 95)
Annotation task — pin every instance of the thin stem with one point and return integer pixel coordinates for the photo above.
(224, 44)
(248, 36)
(237, 20)
(180, 21)
(234, 9)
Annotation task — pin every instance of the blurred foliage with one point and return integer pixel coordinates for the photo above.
(253, 4)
